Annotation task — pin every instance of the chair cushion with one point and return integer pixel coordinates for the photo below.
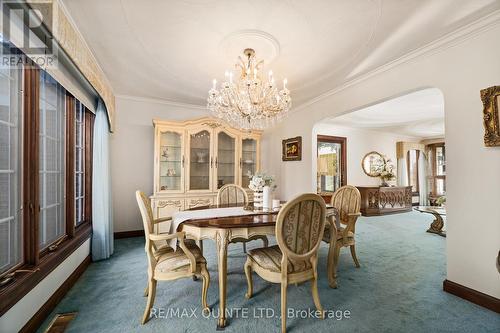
(269, 258)
(169, 260)
(340, 232)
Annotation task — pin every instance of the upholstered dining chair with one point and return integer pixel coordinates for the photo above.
(346, 200)
(299, 230)
(231, 194)
(165, 263)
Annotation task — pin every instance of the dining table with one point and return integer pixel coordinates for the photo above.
(222, 230)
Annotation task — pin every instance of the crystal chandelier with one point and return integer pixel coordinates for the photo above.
(249, 103)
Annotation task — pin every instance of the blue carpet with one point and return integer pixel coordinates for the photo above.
(397, 289)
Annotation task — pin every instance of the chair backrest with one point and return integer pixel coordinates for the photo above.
(232, 194)
(146, 211)
(147, 221)
(346, 199)
(300, 225)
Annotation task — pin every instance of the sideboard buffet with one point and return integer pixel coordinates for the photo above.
(194, 158)
(382, 200)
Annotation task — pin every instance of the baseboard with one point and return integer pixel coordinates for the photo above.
(128, 234)
(474, 296)
(39, 317)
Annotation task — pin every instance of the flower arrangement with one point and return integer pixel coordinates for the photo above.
(259, 180)
(387, 171)
(441, 201)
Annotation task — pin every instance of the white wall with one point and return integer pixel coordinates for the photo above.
(460, 70)
(18, 315)
(359, 142)
(132, 153)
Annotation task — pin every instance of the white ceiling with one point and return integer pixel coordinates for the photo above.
(172, 49)
(419, 114)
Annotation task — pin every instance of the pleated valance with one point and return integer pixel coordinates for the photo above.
(402, 148)
(76, 69)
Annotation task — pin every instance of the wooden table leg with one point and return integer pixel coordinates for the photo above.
(437, 225)
(200, 245)
(331, 267)
(222, 240)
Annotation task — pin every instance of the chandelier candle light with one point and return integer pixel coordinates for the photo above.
(250, 103)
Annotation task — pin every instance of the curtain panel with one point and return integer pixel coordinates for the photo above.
(102, 213)
(422, 179)
(402, 172)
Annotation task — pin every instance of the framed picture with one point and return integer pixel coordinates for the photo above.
(292, 149)
(491, 103)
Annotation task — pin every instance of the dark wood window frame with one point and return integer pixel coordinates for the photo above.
(434, 176)
(343, 163)
(38, 264)
(417, 156)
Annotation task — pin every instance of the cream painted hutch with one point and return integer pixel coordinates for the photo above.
(194, 158)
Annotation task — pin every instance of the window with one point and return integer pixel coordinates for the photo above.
(79, 163)
(45, 177)
(52, 133)
(412, 160)
(437, 162)
(11, 227)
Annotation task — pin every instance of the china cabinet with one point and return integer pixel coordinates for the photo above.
(193, 159)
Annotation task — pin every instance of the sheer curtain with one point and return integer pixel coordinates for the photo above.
(402, 172)
(422, 179)
(102, 213)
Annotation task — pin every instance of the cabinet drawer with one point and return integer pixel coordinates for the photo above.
(166, 208)
(198, 202)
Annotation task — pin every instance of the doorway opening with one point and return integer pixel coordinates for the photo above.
(406, 134)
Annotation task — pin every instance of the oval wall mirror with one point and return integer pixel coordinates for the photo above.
(372, 163)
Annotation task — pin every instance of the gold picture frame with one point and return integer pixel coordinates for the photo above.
(292, 149)
(491, 121)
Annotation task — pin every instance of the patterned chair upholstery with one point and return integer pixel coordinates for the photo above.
(232, 194)
(165, 263)
(299, 230)
(347, 201)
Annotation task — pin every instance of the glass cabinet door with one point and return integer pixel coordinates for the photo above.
(200, 161)
(248, 160)
(171, 161)
(225, 159)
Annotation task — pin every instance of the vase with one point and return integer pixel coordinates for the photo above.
(266, 197)
(257, 199)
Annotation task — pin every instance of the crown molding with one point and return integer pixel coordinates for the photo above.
(449, 40)
(160, 101)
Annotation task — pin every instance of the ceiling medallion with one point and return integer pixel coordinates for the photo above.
(250, 102)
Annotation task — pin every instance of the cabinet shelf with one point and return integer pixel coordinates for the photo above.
(176, 176)
(173, 161)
